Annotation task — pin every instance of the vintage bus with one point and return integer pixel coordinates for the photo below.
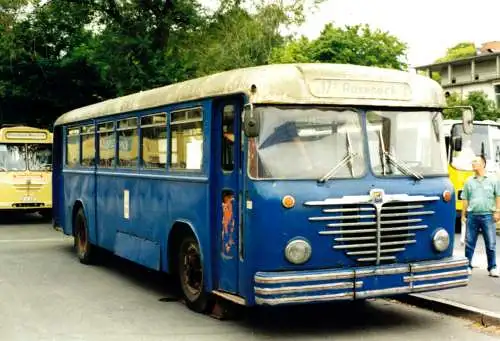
(484, 139)
(26, 170)
(270, 185)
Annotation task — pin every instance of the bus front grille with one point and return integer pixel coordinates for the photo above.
(25, 187)
(368, 233)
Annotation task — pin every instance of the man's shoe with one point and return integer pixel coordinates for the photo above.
(494, 272)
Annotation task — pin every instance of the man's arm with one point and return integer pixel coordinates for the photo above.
(465, 200)
(496, 215)
(465, 204)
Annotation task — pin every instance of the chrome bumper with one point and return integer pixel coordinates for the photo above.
(275, 288)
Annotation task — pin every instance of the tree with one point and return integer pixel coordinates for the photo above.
(484, 108)
(461, 50)
(357, 44)
(61, 54)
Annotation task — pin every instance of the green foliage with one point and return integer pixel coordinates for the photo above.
(484, 108)
(461, 50)
(357, 44)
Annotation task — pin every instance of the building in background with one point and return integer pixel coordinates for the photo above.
(480, 72)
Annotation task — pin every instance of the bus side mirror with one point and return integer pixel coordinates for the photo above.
(468, 120)
(251, 123)
(457, 143)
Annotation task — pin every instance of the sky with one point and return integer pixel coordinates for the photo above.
(429, 27)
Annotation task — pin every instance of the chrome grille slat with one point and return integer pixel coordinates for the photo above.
(348, 239)
(372, 252)
(354, 246)
(370, 223)
(395, 208)
(369, 232)
(347, 217)
(372, 259)
(409, 214)
(347, 232)
(398, 235)
(346, 210)
(402, 221)
(404, 228)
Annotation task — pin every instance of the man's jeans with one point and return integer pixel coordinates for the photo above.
(477, 223)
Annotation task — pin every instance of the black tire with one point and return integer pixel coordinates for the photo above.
(191, 276)
(84, 250)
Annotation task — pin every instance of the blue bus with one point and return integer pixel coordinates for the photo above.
(270, 185)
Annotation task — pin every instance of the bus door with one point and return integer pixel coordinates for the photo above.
(227, 148)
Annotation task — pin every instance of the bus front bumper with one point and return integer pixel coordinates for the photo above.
(293, 287)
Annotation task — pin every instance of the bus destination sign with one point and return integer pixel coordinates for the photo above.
(362, 89)
(19, 135)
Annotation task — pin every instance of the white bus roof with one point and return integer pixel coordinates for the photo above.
(318, 83)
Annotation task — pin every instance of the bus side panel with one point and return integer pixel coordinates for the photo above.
(58, 179)
(79, 188)
(110, 209)
(188, 202)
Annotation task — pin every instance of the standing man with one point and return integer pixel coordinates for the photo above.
(481, 209)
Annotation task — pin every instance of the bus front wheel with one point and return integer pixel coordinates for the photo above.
(84, 250)
(191, 275)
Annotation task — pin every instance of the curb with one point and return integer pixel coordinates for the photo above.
(441, 305)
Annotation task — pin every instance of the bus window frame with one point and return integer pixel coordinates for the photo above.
(82, 133)
(165, 125)
(67, 129)
(117, 141)
(204, 133)
(98, 142)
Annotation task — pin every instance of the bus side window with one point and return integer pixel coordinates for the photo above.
(186, 140)
(154, 141)
(106, 136)
(227, 152)
(128, 145)
(73, 147)
(88, 146)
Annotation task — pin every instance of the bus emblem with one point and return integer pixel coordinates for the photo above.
(377, 196)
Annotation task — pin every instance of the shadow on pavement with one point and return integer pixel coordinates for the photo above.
(340, 317)
(16, 218)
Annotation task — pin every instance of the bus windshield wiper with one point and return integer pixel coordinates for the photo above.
(385, 155)
(347, 159)
(402, 166)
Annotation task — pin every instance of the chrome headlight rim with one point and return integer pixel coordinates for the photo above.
(295, 245)
(441, 240)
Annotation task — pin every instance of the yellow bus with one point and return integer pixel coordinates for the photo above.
(462, 147)
(26, 170)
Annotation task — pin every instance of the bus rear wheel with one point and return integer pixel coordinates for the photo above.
(191, 276)
(84, 250)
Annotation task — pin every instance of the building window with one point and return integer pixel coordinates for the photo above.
(127, 143)
(88, 146)
(186, 143)
(107, 144)
(154, 141)
(73, 147)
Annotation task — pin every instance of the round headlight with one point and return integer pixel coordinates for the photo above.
(441, 240)
(298, 251)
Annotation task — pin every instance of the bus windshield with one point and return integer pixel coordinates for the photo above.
(39, 157)
(20, 157)
(12, 157)
(307, 143)
(400, 140)
(323, 144)
(479, 142)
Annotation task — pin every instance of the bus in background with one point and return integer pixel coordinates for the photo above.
(484, 139)
(271, 185)
(26, 170)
